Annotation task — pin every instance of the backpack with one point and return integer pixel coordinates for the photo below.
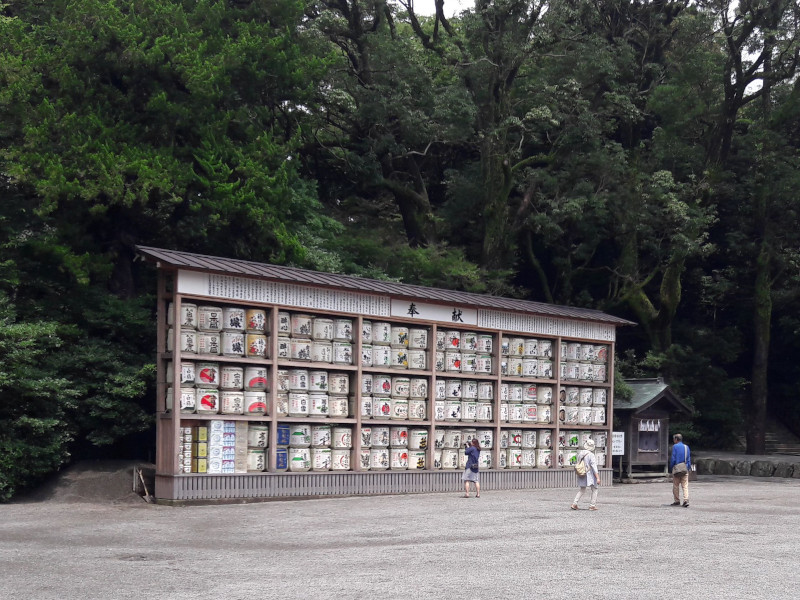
(580, 468)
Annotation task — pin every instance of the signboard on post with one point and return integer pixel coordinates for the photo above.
(617, 443)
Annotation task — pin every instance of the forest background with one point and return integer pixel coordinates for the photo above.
(639, 157)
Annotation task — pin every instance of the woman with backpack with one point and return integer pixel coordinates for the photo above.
(473, 452)
(590, 478)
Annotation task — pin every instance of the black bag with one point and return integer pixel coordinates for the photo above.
(473, 467)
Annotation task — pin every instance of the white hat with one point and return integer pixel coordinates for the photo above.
(589, 445)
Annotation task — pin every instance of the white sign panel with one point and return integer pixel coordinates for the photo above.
(617, 443)
(410, 309)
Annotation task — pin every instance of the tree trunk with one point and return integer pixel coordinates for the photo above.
(762, 316)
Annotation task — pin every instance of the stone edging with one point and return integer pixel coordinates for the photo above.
(752, 468)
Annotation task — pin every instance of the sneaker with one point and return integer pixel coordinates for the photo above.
(685, 505)
(676, 503)
(595, 508)
(574, 507)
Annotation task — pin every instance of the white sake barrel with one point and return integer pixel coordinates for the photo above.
(401, 387)
(484, 343)
(562, 368)
(366, 407)
(469, 341)
(298, 404)
(340, 460)
(572, 438)
(469, 389)
(449, 459)
(381, 333)
(545, 349)
(341, 438)
(379, 459)
(584, 415)
(231, 402)
(418, 387)
(573, 350)
(598, 397)
(505, 346)
(381, 407)
(301, 325)
(209, 318)
(418, 360)
(601, 354)
(583, 437)
(515, 438)
(300, 349)
(400, 409)
(188, 399)
(437, 459)
(318, 381)
(342, 353)
(366, 437)
(318, 405)
(282, 404)
(188, 316)
(452, 361)
(586, 353)
(484, 413)
(416, 460)
(321, 351)
(283, 380)
(530, 367)
(209, 343)
(531, 347)
(544, 439)
(440, 362)
(545, 369)
(256, 345)
(256, 459)
(381, 385)
(284, 323)
(570, 415)
(438, 440)
(598, 415)
(399, 337)
(485, 459)
(485, 390)
(320, 436)
(366, 332)
(417, 409)
(600, 438)
(505, 412)
(516, 346)
(321, 459)
(483, 364)
(298, 380)
(233, 343)
(573, 397)
(573, 371)
(366, 383)
(505, 392)
(585, 371)
(514, 458)
(365, 458)
(468, 434)
(452, 438)
(417, 439)
(299, 435)
(502, 459)
(255, 320)
(343, 330)
(381, 356)
(601, 459)
(398, 437)
(441, 341)
(366, 355)
(440, 410)
(417, 338)
(469, 410)
(544, 413)
(505, 436)
(440, 391)
(569, 456)
(399, 358)
(255, 402)
(515, 366)
(529, 392)
(338, 384)
(233, 318)
(544, 458)
(187, 374)
(338, 407)
(452, 409)
(516, 412)
(207, 400)
(563, 351)
(380, 436)
(528, 438)
(188, 341)
(452, 340)
(232, 378)
(528, 458)
(453, 388)
(585, 397)
(544, 394)
(600, 373)
(485, 438)
(284, 347)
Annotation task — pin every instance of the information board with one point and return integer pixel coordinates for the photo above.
(617, 443)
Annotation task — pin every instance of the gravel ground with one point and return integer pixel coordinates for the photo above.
(737, 540)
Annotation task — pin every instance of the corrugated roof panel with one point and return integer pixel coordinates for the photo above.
(187, 260)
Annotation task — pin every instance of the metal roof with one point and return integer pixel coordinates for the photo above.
(646, 392)
(229, 266)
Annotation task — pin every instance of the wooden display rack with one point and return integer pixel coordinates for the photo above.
(184, 277)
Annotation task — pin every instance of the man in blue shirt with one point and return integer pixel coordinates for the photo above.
(680, 463)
